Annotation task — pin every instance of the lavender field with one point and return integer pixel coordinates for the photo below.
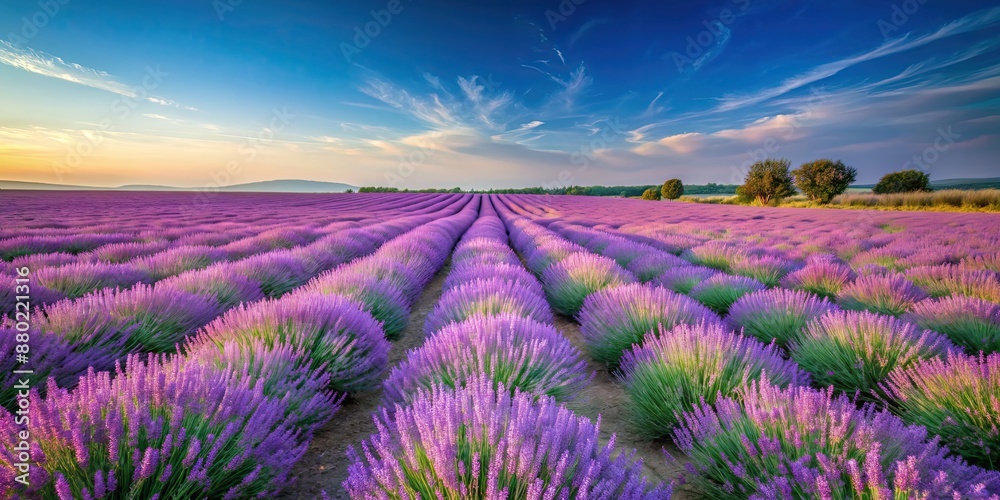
(453, 346)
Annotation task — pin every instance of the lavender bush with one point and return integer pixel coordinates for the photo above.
(337, 337)
(486, 296)
(613, 319)
(973, 324)
(518, 352)
(569, 282)
(777, 315)
(890, 294)
(154, 431)
(722, 290)
(672, 372)
(383, 299)
(855, 351)
(957, 398)
(683, 279)
(823, 276)
(805, 443)
(481, 442)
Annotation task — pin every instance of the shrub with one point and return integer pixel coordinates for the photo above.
(481, 442)
(614, 319)
(683, 279)
(651, 194)
(823, 179)
(805, 443)
(777, 315)
(278, 272)
(890, 294)
(651, 264)
(379, 297)
(855, 351)
(672, 189)
(572, 279)
(51, 356)
(722, 290)
(971, 323)
(943, 280)
(904, 181)
(217, 282)
(154, 431)
(957, 398)
(767, 180)
(470, 271)
(489, 297)
(76, 280)
(766, 269)
(514, 351)
(824, 277)
(672, 372)
(338, 337)
(177, 260)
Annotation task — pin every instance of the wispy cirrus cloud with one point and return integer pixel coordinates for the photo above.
(972, 22)
(41, 63)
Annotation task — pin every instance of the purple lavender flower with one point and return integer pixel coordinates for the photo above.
(117, 253)
(479, 441)
(278, 272)
(518, 352)
(647, 266)
(722, 290)
(766, 269)
(957, 398)
(487, 296)
(338, 337)
(615, 318)
(212, 417)
(219, 282)
(890, 294)
(855, 351)
(973, 324)
(569, 282)
(470, 271)
(76, 280)
(939, 281)
(824, 277)
(177, 260)
(382, 298)
(683, 279)
(815, 444)
(672, 372)
(777, 315)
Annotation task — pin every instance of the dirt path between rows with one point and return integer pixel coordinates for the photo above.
(606, 398)
(324, 466)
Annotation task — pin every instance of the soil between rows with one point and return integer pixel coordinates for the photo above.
(324, 466)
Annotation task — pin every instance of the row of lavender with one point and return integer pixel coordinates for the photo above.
(234, 410)
(99, 329)
(135, 256)
(474, 412)
(685, 371)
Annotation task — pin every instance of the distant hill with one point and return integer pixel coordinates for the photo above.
(275, 186)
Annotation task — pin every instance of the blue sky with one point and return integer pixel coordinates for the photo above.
(417, 94)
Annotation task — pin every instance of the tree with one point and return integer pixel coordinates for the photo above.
(823, 179)
(651, 194)
(904, 181)
(349, 190)
(768, 180)
(672, 189)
